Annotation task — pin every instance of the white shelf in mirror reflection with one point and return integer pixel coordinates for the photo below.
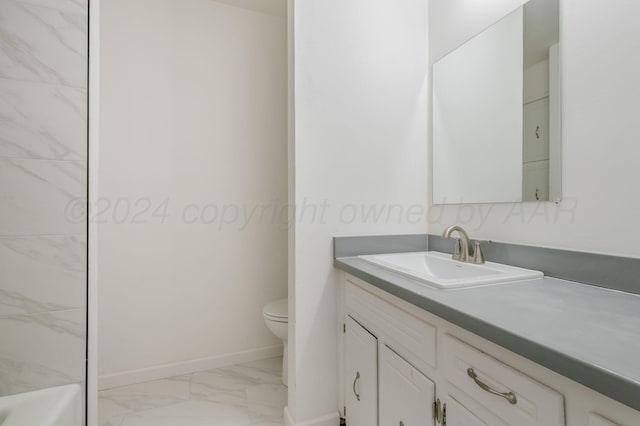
(439, 270)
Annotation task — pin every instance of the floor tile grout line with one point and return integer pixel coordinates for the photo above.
(42, 82)
(36, 313)
(57, 160)
(35, 236)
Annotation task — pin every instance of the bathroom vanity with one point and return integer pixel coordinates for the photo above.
(534, 352)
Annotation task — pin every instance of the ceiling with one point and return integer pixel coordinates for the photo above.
(541, 29)
(271, 7)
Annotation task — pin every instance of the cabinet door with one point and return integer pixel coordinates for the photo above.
(535, 181)
(406, 395)
(596, 420)
(457, 415)
(536, 131)
(360, 375)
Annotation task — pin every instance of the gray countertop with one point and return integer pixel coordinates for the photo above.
(588, 334)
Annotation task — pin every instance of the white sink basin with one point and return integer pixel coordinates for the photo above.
(440, 270)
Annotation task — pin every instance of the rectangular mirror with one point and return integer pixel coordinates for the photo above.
(496, 112)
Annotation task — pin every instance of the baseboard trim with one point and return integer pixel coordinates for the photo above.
(130, 377)
(332, 419)
(288, 420)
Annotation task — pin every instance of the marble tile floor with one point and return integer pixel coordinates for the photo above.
(248, 394)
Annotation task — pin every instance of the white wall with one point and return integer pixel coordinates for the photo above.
(600, 92)
(193, 112)
(360, 142)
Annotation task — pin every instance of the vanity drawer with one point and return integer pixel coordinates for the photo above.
(411, 337)
(533, 404)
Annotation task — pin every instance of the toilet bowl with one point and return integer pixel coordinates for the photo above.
(276, 317)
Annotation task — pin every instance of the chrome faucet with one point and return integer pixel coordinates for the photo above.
(463, 251)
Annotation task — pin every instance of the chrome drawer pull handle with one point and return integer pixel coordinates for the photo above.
(509, 396)
(355, 381)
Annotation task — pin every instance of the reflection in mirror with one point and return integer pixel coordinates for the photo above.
(496, 112)
(541, 109)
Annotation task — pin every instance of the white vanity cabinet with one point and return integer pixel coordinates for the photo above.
(457, 415)
(360, 374)
(378, 383)
(507, 395)
(596, 420)
(403, 366)
(406, 395)
(393, 346)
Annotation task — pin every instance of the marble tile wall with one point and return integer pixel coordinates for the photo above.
(43, 161)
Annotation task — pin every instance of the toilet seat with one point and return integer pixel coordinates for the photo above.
(277, 311)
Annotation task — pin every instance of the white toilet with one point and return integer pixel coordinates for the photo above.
(276, 317)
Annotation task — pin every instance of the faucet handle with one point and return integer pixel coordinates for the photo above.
(478, 257)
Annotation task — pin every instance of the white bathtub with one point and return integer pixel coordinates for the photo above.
(60, 406)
